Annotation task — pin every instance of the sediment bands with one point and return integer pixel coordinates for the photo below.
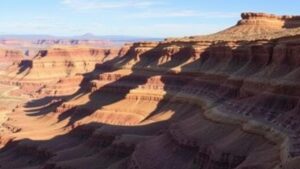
(158, 105)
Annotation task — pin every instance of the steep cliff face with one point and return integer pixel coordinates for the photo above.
(269, 20)
(8, 56)
(68, 61)
(48, 67)
(179, 103)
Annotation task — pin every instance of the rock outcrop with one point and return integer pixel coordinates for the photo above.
(8, 56)
(255, 26)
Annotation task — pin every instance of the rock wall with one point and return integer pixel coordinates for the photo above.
(274, 20)
(8, 56)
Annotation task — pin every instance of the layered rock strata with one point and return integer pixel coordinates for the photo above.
(51, 66)
(173, 104)
(8, 56)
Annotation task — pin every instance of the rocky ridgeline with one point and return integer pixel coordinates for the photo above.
(274, 20)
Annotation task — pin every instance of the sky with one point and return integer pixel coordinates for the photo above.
(146, 18)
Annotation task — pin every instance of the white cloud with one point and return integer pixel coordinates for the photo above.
(105, 4)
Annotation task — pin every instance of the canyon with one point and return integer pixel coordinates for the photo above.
(229, 100)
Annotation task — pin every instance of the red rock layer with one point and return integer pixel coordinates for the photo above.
(8, 56)
(54, 64)
(172, 104)
(271, 20)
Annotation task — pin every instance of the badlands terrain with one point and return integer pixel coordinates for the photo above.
(230, 100)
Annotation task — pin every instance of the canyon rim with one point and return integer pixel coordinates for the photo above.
(226, 100)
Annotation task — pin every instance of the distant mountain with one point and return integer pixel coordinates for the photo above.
(88, 36)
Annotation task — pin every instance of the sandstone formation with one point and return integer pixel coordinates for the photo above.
(229, 100)
(9, 56)
(255, 26)
(51, 66)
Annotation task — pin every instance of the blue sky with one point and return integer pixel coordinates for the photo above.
(152, 18)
